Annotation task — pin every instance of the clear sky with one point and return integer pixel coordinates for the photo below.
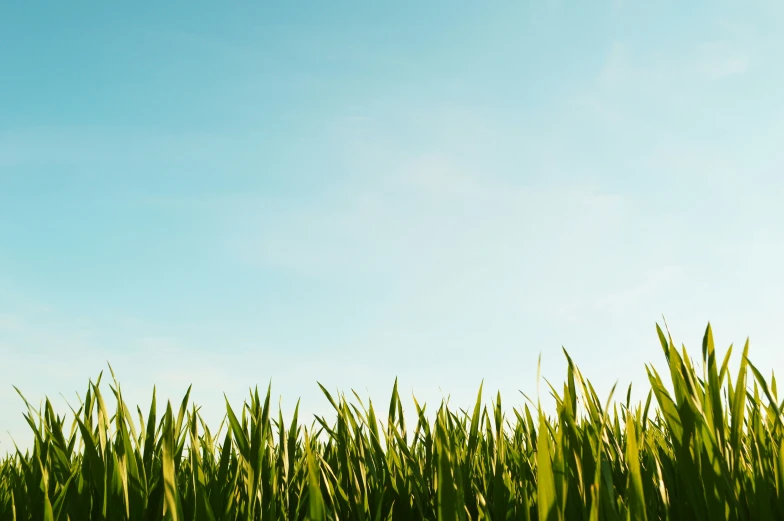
(228, 193)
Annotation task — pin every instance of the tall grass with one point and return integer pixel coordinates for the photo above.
(706, 446)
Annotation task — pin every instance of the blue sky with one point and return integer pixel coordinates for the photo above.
(228, 194)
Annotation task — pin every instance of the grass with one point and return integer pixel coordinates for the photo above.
(704, 446)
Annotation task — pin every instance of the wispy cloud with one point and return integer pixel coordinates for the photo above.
(428, 213)
(711, 61)
(716, 61)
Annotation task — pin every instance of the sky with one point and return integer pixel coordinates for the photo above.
(241, 193)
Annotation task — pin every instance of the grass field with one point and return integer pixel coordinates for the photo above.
(705, 445)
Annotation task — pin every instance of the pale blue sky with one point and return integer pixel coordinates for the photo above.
(344, 192)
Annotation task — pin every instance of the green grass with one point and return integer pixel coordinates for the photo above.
(703, 446)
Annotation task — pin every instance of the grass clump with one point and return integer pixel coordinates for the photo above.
(704, 446)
